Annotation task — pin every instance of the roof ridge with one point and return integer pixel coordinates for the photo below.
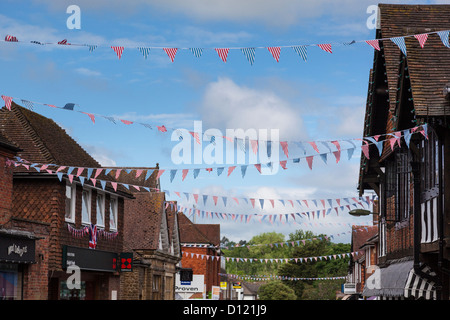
(26, 124)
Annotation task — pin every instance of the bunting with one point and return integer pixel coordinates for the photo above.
(118, 51)
(249, 52)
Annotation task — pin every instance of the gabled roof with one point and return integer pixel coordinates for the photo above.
(43, 141)
(429, 65)
(198, 233)
(360, 234)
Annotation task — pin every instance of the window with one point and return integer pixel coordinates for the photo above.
(403, 203)
(86, 206)
(100, 210)
(70, 203)
(113, 213)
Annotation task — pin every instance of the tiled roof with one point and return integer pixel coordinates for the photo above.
(430, 65)
(43, 141)
(360, 234)
(198, 233)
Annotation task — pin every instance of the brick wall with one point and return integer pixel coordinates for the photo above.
(208, 267)
(6, 187)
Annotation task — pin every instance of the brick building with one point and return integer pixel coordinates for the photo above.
(151, 233)
(200, 253)
(410, 89)
(63, 211)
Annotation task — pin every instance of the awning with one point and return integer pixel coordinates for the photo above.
(389, 281)
(399, 280)
(420, 288)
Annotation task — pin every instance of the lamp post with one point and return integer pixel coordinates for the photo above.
(363, 212)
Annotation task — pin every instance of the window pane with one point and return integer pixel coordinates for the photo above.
(86, 207)
(70, 198)
(113, 213)
(100, 210)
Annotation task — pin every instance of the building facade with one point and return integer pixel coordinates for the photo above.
(408, 166)
(77, 219)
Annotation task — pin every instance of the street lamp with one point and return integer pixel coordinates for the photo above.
(362, 212)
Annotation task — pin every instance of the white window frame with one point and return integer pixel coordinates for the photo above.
(73, 193)
(89, 219)
(113, 211)
(100, 209)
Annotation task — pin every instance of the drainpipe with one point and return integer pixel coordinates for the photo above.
(415, 166)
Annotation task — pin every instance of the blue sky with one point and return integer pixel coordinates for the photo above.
(321, 99)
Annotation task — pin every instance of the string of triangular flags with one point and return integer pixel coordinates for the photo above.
(307, 147)
(248, 52)
(308, 203)
(93, 173)
(272, 260)
(271, 218)
(81, 232)
(273, 245)
(275, 277)
(394, 140)
(296, 218)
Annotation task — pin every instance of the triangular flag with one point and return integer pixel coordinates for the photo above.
(284, 146)
(400, 42)
(118, 51)
(301, 51)
(310, 161)
(197, 52)
(374, 43)
(243, 170)
(250, 54)
(196, 172)
(325, 47)
(223, 53)
(171, 52)
(90, 115)
(160, 172)
(185, 172)
(275, 51)
(422, 38)
(172, 174)
(444, 37)
(8, 101)
(258, 167)
(145, 51)
(230, 170)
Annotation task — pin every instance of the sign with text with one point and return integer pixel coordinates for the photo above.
(17, 249)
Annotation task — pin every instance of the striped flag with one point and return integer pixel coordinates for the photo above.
(400, 42)
(195, 135)
(27, 104)
(8, 101)
(223, 53)
(301, 51)
(197, 52)
(145, 51)
(118, 51)
(444, 37)
(422, 38)
(325, 47)
(91, 47)
(10, 38)
(374, 43)
(171, 52)
(63, 42)
(275, 51)
(92, 236)
(250, 54)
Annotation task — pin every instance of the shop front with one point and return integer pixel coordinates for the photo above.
(17, 249)
(89, 275)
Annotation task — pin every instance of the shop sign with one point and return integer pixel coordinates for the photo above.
(17, 249)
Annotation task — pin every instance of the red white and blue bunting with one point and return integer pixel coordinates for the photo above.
(248, 52)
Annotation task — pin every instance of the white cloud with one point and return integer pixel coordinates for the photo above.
(226, 105)
(88, 72)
